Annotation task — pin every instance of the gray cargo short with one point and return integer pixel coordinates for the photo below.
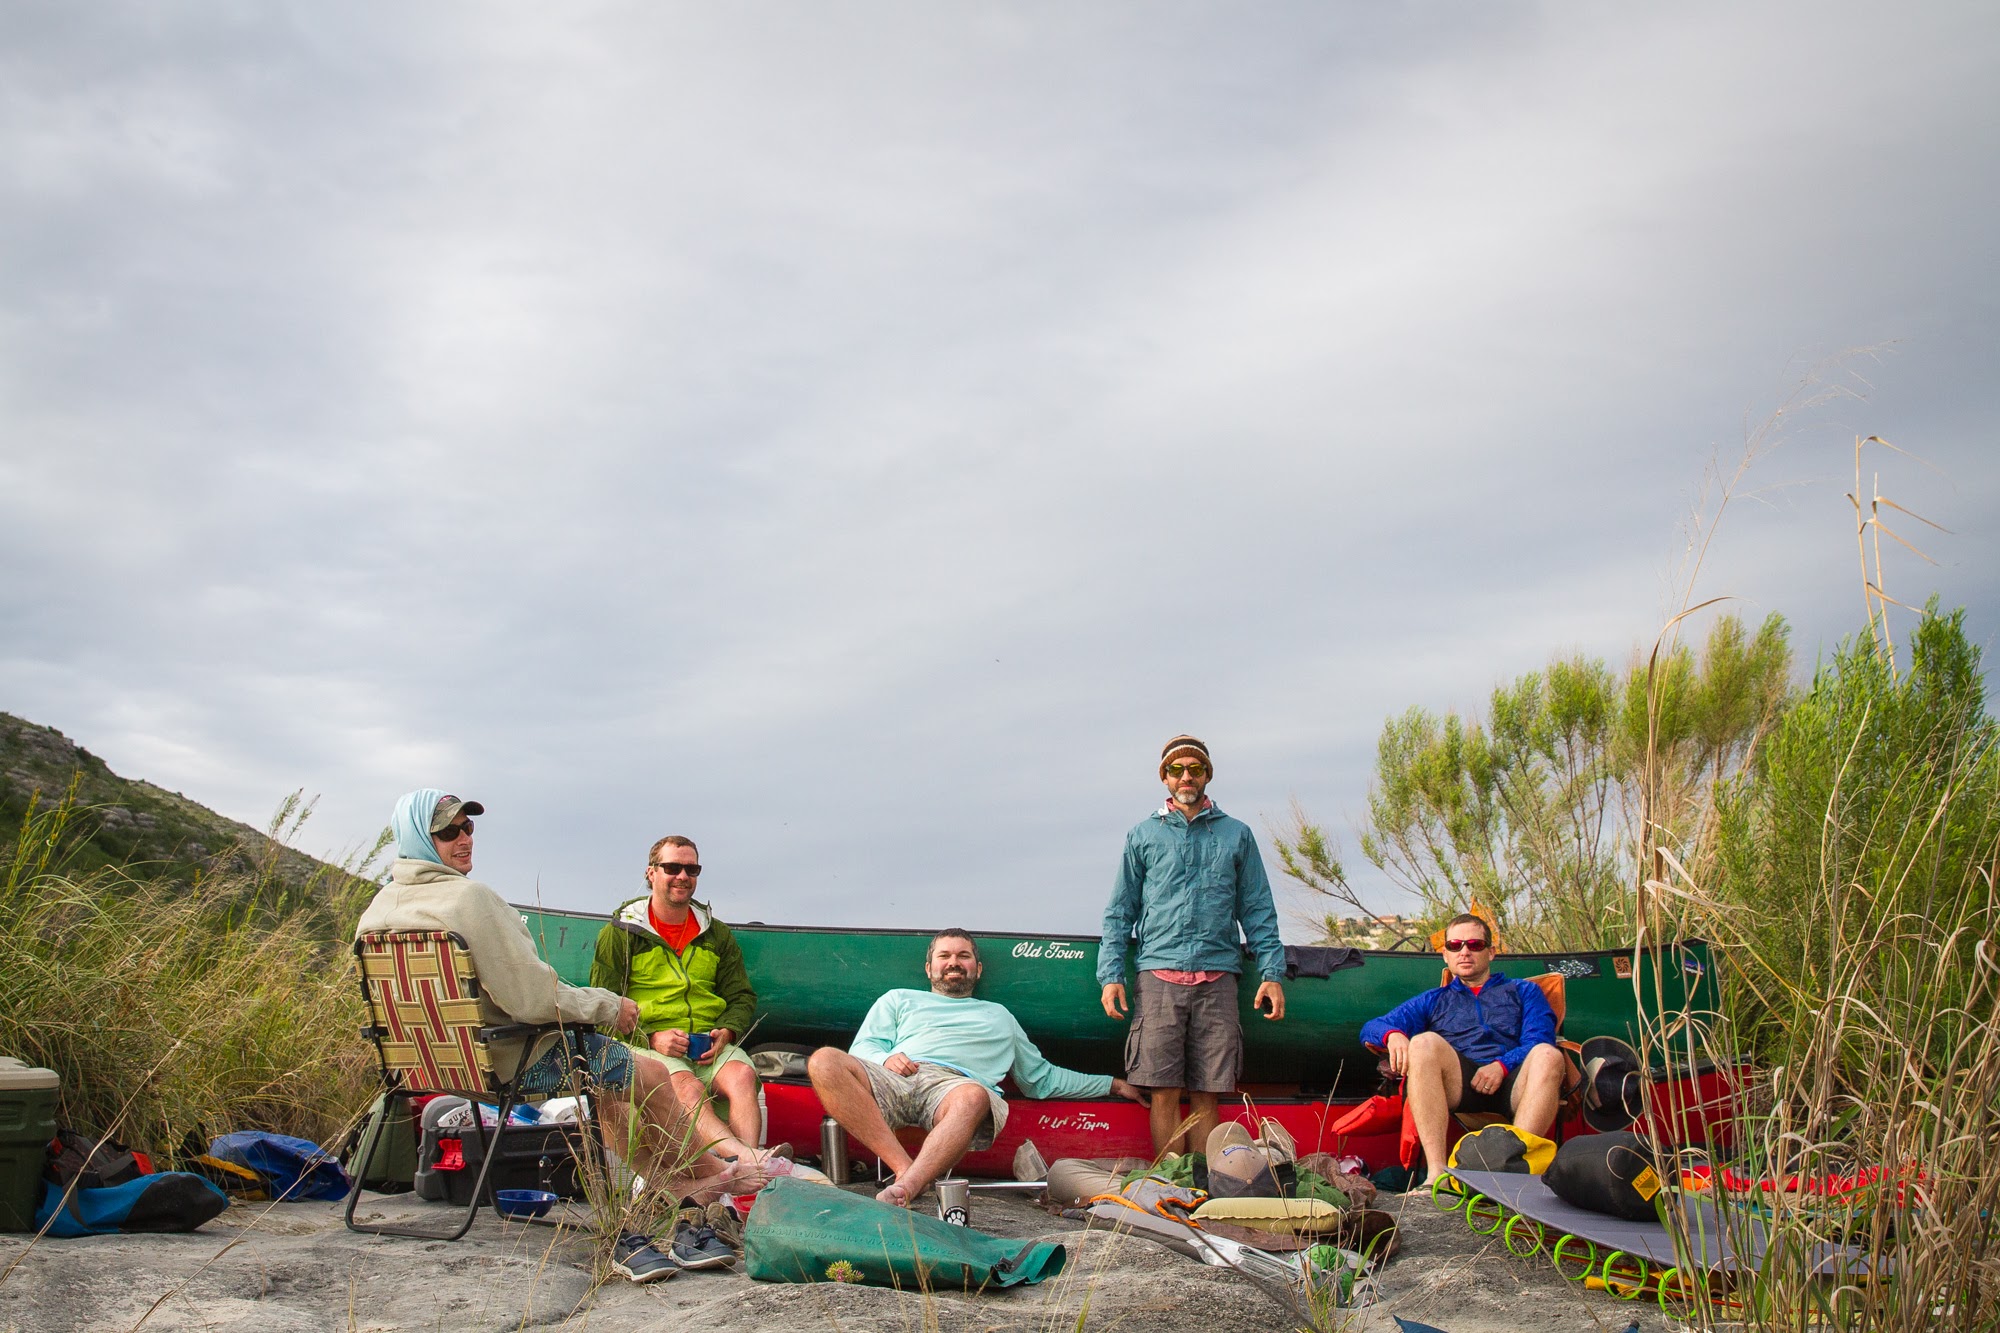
(913, 1099)
(1185, 1036)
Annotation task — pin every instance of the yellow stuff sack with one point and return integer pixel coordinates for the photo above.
(1503, 1148)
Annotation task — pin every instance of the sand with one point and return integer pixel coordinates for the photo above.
(285, 1267)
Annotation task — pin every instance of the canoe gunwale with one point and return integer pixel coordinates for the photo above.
(1542, 955)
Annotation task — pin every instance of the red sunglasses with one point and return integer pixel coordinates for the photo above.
(1476, 946)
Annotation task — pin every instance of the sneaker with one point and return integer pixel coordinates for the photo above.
(723, 1219)
(634, 1256)
(695, 1244)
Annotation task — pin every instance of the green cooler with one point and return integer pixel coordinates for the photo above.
(27, 1123)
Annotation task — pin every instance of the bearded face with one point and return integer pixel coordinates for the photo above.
(953, 966)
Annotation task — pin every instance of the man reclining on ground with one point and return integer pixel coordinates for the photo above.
(1481, 1042)
(934, 1059)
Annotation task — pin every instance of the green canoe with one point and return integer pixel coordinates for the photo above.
(814, 984)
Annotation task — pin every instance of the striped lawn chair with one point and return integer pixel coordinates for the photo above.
(422, 991)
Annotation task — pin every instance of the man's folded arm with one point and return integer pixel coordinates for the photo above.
(1412, 1015)
(515, 978)
(732, 984)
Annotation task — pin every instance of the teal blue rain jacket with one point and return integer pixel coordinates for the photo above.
(1187, 886)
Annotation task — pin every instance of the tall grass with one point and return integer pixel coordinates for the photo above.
(170, 1009)
(1854, 902)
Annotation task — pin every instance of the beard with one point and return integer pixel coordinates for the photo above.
(954, 983)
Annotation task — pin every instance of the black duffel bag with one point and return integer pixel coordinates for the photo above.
(1617, 1174)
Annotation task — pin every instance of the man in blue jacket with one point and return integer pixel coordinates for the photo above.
(1190, 877)
(1480, 1042)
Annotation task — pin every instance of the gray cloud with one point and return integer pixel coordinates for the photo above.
(857, 437)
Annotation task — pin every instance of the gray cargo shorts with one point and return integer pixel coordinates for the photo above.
(1185, 1036)
(913, 1099)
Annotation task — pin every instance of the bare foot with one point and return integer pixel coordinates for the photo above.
(894, 1195)
(746, 1177)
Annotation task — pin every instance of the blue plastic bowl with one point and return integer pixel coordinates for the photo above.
(524, 1203)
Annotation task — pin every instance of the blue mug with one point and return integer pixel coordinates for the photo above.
(698, 1044)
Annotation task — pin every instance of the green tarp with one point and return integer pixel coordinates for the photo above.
(801, 1232)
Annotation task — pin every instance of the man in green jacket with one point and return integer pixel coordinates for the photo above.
(684, 968)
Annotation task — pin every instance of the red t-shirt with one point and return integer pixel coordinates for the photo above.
(677, 937)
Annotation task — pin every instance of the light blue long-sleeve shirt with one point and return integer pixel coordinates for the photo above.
(978, 1038)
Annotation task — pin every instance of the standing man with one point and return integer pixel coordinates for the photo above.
(684, 968)
(1191, 876)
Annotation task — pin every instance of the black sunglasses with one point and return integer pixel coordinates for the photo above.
(692, 869)
(450, 832)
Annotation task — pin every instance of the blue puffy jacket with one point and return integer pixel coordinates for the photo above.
(1187, 885)
(1503, 1021)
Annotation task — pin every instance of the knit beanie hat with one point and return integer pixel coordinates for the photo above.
(1185, 745)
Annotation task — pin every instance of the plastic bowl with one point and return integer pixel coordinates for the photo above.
(524, 1203)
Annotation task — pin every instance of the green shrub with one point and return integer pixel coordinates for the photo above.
(1536, 810)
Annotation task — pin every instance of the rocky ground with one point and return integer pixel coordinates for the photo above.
(290, 1267)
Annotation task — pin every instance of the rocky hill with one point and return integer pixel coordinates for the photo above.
(125, 822)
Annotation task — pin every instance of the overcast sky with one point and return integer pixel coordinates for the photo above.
(857, 436)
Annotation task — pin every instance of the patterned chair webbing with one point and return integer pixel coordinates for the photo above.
(423, 994)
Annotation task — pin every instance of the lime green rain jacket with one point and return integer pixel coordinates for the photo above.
(704, 988)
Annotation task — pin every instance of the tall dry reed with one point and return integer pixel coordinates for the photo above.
(169, 1010)
(1854, 906)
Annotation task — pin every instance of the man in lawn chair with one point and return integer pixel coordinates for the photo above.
(1481, 1042)
(935, 1059)
(429, 889)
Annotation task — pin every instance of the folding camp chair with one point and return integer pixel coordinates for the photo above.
(422, 992)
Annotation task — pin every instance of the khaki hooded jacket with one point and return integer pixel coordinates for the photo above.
(515, 985)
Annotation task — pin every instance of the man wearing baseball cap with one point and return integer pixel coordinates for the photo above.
(1191, 877)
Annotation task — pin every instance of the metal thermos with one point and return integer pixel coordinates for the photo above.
(833, 1150)
(954, 1200)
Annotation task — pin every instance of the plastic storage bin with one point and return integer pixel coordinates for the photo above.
(532, 1157)
(27, 1123)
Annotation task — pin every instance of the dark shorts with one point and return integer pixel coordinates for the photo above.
(610, 1064)
(1500, 1100)
(1185, 1036)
